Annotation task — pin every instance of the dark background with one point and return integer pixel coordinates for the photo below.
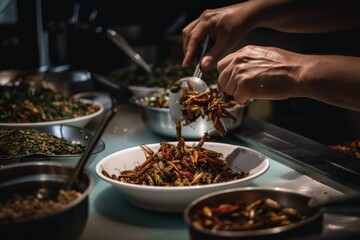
(44, 34)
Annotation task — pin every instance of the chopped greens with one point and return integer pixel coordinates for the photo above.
(26, 104)
(19, 142)
(164, 74)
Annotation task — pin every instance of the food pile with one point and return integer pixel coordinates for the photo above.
(179, 165)
(239, 216)
(20, 142)
(25, 103)
(24, 208)
(351, 148)
(163, 75)
(161, 99)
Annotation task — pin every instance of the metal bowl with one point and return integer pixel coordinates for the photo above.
(67, 81)
(71, 134)
(159, 121)
(285, 197)
(25, 178)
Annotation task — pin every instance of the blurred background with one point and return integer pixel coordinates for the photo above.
(39, 34)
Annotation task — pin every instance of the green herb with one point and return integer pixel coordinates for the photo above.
(164, 74)
(19, 142)
(25, 103)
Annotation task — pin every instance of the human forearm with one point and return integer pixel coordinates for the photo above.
(305, 16)
(256, 72)
(331, 79)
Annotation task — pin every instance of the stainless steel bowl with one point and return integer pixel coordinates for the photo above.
(67, 81)
(71, 134)
(25, 178)
(159, 121)
(286, 198)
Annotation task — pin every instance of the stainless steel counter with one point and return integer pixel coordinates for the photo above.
(112, 217)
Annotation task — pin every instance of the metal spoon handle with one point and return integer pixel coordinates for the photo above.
(80, 165)
(349, 205)
(124, 45)
(198, 71)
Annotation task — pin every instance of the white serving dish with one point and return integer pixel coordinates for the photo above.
(78, 122)
(176, 198)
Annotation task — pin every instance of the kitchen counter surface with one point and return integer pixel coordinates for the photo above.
(112, 217)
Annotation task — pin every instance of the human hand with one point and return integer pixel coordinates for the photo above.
(226, 27)
(256, 72)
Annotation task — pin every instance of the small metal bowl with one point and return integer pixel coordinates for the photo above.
(67, 81)
(24, 179)
(159, 121)
(286, 198)
(71, 134)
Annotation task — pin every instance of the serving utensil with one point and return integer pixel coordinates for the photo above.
(80, 165)
(130, 51)
(183, 84)
(48, 193)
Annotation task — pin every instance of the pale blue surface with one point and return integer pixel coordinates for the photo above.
(112, 217)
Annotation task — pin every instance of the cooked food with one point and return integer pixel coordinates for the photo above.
(24, 208)
(163, 74)
(180, 165)
(20, 142)
(25, 103)
(351, 148)
(239, 216)
(194, 105)
(161, 99)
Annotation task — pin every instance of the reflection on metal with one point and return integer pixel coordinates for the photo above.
(316, 160)
(8, 13)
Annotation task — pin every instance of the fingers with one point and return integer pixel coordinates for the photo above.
(232, 77)
(224, 80)
(193, 35)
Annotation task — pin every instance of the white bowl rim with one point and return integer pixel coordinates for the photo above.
(98, 169)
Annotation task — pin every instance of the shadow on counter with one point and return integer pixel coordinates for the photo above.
(112, 204)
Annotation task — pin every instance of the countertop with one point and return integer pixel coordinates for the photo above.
(112, 217)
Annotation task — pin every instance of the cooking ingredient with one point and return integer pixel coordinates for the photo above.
(20, 142)
(194, 105)
(179, 165)
(239, 216)
(163, 75)
(350, 147)
(161, 99)
(25, 103)
(24, 208)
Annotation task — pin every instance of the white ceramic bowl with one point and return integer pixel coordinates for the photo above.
(175, 199)
(78, 122)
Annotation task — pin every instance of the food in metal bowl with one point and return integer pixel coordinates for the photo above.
(156, 116)
(63, 143)
(351, 148)
(20, 208)
(49, 219)
(20, 142)
(252, 212)
(163, 75)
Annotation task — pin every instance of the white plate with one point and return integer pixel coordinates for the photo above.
(78, 122)
(175, 199)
